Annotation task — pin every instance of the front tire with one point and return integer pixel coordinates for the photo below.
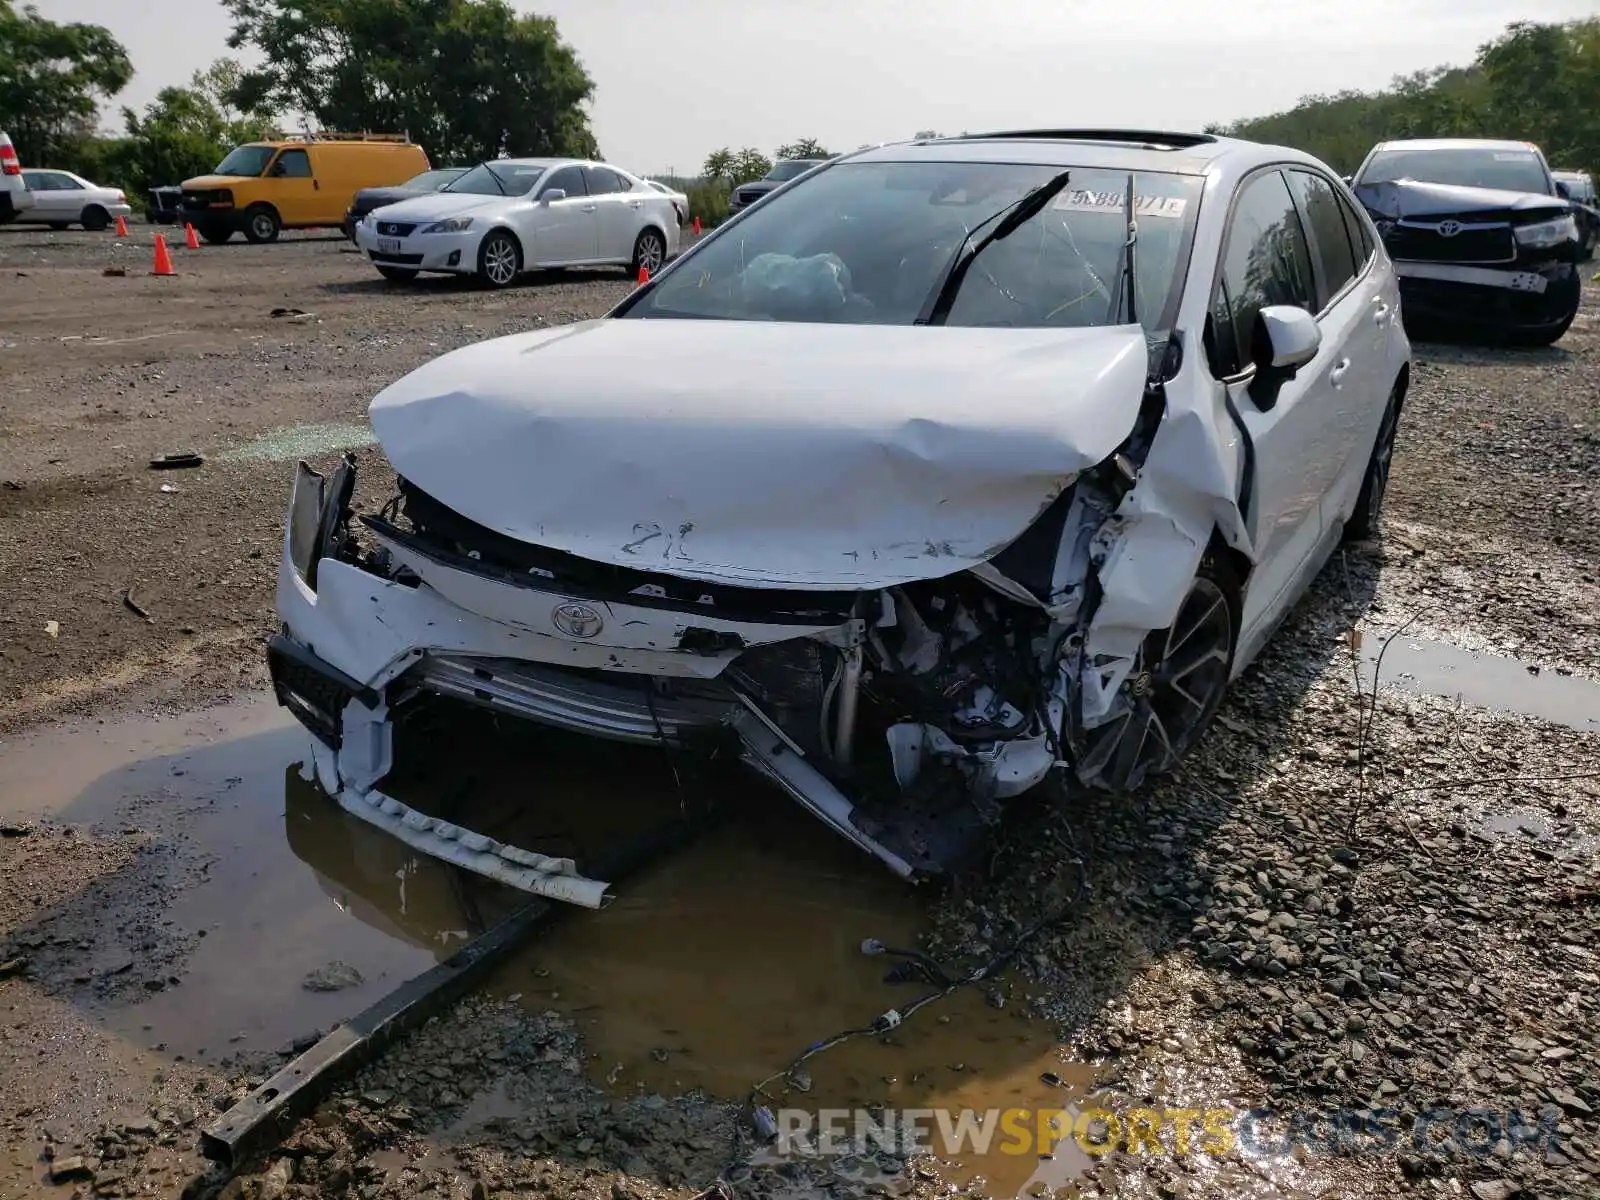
(499, 259)
(1363, 522)
(1174, 690)
(649, 253)
(261, 224)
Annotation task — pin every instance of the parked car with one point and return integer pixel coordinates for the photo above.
(368, 199)
(15, 198)
(782, 172)
(680, 200)
(1578, 187)
(1482, 238)
(164, 205)
(62, 199)
(262, 188)
(522, 214)
(949, 466)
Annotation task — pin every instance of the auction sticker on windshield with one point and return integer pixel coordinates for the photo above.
(1082, 200)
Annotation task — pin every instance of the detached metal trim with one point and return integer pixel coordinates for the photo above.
(261, 1119)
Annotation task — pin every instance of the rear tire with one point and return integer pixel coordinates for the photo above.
(499, 259)
(398, 274)
(95, 219)
(261, 224)
(1364, 521)
(649, 253)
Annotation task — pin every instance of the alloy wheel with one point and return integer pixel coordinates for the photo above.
(500, 261)
(1170, 696)
(651, 253)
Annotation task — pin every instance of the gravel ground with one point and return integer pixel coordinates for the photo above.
(1309, 918)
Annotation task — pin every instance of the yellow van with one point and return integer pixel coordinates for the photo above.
(261, 188)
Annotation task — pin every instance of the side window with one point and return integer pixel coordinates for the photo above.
(34, 181)
(568, 179)
(1266, 261)
(603, 182)
(1330, 238)
(293, 164)
(1361, 239)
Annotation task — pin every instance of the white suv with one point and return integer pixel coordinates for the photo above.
(15, 198)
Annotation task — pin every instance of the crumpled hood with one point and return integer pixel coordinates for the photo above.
(765, 453)
(1409, 198)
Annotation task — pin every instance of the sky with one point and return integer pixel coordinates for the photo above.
(675, 81)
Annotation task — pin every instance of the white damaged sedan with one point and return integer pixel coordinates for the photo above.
(958, 465)
(513, 215)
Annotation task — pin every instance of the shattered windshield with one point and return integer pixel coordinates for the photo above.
(868, 243)
(245, 161)
(1479, 167)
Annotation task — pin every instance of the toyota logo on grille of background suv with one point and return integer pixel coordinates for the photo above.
(1449, 228)
(577, 620)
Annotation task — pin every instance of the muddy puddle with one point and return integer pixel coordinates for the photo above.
(1492, 681)
(710, 973)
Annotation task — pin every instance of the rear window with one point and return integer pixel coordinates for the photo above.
(1467, 166)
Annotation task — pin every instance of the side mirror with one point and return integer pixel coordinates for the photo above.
(1286, 338)
(1563, 190)
(551, 195)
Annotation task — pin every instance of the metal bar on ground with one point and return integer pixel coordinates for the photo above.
(265, 1116)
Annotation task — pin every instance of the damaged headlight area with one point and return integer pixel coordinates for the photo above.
(1546, 235)
(319, 517)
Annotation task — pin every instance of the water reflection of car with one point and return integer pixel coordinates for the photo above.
(746, 194)
(1578, 186)
(1481, 235)
(370, 198)
(1046, 447)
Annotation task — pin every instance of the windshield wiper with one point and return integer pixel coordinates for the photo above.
(1126, 275)
(1016, 214)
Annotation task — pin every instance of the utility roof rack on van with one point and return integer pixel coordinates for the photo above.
(1153, 139)
(329, 135)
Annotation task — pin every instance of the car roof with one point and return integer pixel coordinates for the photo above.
(1456, 144)
(1107, 149)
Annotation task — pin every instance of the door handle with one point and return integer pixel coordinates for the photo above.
(589, 208)
(1336, 376)
(1380, 318)
(315, 186)
(634, 204)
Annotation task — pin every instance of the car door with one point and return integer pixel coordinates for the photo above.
(1354, 314)
(294, 187)
(617, 213)
(55, 196)
(563, 230)
(1266, 260)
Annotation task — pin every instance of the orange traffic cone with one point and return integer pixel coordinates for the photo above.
(122, 227)
(163, 259)
(697, 227)
(644, 276)
(189, 238)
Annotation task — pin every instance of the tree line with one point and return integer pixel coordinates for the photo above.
(467, 79)
(1537, 82)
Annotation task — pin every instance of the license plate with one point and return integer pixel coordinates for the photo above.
(388, 245)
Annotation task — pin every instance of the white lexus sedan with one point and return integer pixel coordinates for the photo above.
(513, 215)
(959, 465)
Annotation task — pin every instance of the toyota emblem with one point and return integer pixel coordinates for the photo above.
(577, 620)
(1449, 228)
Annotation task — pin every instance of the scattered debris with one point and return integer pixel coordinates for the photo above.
(13, 967)
(65, 1170)
(53, 628)
(334, 977)
(115, 271)
(172, 462)
(133, 605)
(15, 831)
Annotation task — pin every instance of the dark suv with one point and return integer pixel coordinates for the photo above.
(1578, 186)
(1482, 238)
(782, 171)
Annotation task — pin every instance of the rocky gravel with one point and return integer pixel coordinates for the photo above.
(1354, 898)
